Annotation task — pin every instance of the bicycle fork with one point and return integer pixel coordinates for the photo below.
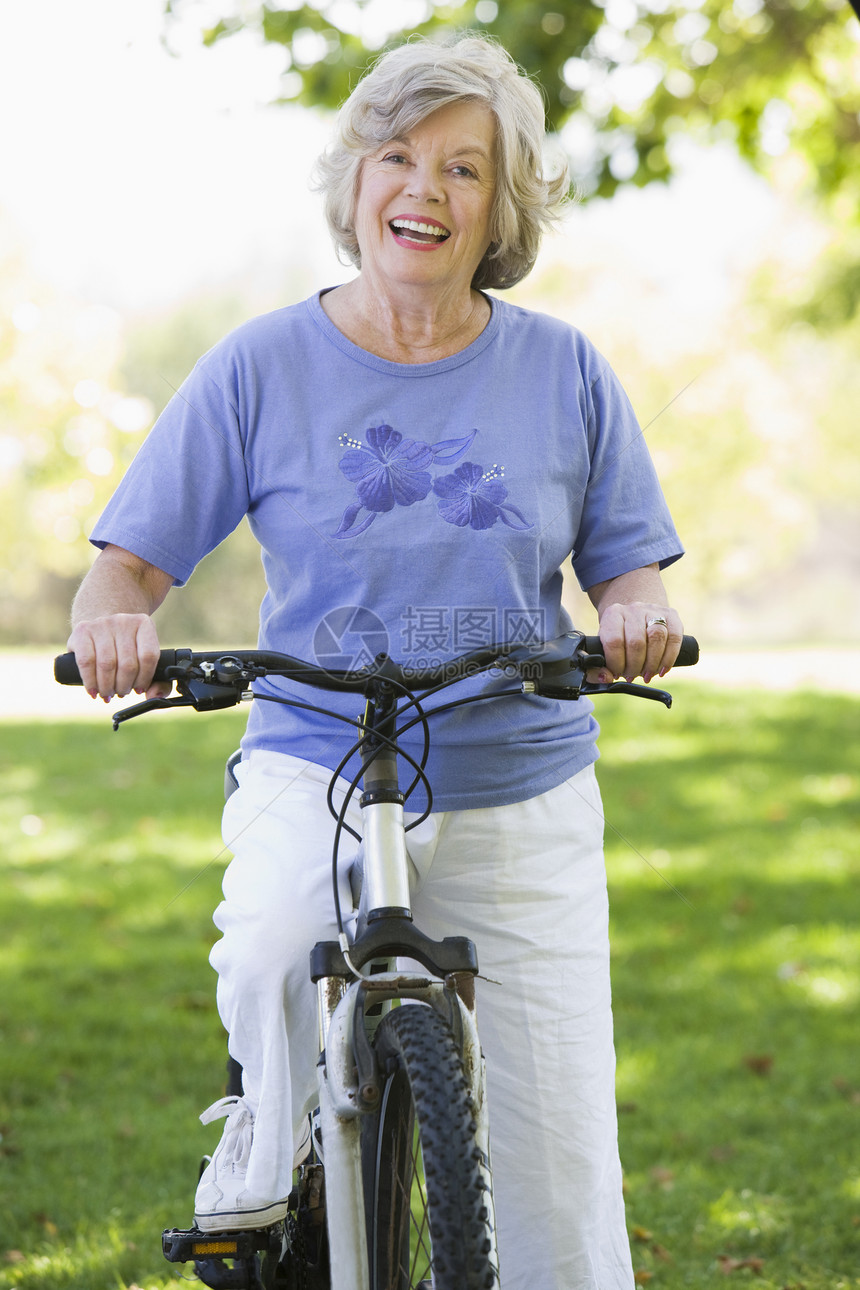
(343, 1100)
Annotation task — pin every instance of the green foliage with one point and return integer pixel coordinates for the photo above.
(69, 429)
(732, 825)
(628, 75)
(160, 349)
(831, 299)
(750, 426)
(79, 389)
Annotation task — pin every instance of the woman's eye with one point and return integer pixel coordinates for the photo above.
(464, 170)
(396, 158)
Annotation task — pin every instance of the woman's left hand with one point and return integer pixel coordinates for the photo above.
(639, 639)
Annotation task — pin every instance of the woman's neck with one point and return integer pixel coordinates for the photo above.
(407, 326)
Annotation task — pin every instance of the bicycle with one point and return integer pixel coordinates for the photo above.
(397, 1191)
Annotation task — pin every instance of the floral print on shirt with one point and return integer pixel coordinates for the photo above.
(391, 470)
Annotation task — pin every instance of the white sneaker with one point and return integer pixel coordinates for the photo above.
(222, 1204)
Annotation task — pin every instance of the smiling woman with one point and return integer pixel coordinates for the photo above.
(408, 447)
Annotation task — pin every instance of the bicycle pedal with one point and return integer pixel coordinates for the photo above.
(227, 1260)
(184, 1246)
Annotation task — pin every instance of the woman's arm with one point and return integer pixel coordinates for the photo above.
(633, 642)
(113, 636)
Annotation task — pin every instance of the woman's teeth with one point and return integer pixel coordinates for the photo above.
(407, 226)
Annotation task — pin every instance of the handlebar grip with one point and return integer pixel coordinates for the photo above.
(66, 670)
(66, 667)
(687, 657)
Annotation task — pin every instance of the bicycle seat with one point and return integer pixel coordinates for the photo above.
(231, 783)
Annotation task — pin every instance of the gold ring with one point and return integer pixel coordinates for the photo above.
(656, 622)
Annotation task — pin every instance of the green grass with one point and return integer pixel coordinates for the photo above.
(733, 857)
(111, 1044)
(737, 989)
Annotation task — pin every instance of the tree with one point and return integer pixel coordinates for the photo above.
(623, 78)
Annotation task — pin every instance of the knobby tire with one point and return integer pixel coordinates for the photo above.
(426, 1179)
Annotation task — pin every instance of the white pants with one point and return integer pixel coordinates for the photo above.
(527, 884)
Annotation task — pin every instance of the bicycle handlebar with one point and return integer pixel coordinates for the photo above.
(573, 650)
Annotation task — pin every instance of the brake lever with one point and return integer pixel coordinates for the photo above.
(626, 687)
(194, 692)
(149, 705)
(572, 683)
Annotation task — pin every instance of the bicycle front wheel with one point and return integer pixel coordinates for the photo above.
(426, 1179)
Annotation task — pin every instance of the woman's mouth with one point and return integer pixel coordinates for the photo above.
(419, 232)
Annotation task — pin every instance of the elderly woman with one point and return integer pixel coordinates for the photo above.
(417, 458)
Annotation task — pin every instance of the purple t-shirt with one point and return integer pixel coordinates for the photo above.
(424, 509)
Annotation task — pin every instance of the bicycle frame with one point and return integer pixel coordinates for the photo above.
(347, 1086)
(349, 997)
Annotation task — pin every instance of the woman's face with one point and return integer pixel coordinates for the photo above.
(422, 215)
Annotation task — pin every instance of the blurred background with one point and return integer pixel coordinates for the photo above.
(154, 192)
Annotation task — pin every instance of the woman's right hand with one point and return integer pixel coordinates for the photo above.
(116, 654)
(113, 639)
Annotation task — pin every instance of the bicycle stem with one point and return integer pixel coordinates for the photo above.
(386, 865)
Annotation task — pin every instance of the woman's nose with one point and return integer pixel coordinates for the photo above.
(425, 184)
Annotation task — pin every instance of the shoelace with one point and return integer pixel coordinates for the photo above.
(236, 1142)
